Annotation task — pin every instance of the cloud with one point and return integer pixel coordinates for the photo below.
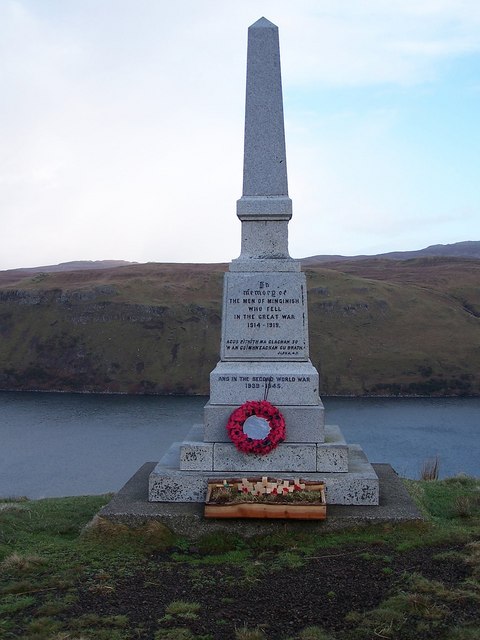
(122, 121)
(382, 41)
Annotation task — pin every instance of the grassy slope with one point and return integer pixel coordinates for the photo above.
(56, 584)
(148, 328)
(401, 327)
(376, 326)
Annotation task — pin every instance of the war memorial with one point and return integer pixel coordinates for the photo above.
(264, 353)
(264, 416)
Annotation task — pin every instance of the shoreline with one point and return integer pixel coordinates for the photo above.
(202, 395)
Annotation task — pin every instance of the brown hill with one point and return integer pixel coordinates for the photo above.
(13, 275)
(377, 327)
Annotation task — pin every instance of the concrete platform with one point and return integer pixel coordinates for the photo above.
(131, 506)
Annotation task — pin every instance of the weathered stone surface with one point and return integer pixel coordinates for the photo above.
(196, 455)
(303, 423)
(264, 239)
(285, 458)
(287, 383)
(176, 487)
(332, 458)
(265, 317)
(360, 486)
(331, 455)
(261, 207)
(333, 435)
(252, 264)
(265, 189)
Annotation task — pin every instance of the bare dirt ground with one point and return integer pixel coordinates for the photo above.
(281, 593)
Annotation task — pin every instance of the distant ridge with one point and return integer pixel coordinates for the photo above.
(75, 265)
(467, 249)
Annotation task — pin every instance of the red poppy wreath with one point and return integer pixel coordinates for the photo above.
(261, 436)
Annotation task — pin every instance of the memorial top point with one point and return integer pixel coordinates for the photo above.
(265, 188)
(263, 22)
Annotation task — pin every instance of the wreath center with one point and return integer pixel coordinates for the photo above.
(256, 428)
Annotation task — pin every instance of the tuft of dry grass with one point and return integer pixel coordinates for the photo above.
(249, 634)
(149, 535)
(463, 506)
(473, 558)
(66, 635)
(183, 609)
(314, 633)
(12, 506)
(102, 527)
(18, 562)
(430, 469)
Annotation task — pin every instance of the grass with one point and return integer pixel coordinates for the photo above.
(182, 609)
(249, 634)
(314, 633)
(50, 571)
(419, 608)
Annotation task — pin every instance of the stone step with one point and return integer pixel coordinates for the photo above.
(286, 457)
(359, 486)
(303, 423)
(289, 456)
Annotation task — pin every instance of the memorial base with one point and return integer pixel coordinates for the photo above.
(357, 486)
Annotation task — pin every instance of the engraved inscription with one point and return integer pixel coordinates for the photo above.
(265, 317)
(260, 382)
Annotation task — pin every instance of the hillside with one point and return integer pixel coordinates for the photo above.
(13, 275)
(467, 249)
(377, 326)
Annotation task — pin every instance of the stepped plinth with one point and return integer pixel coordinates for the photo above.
(264, 353)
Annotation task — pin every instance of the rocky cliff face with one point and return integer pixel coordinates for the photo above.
(406, 329)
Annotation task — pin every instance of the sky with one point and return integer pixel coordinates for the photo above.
(121, 126)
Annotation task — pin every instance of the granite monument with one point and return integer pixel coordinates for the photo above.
(264, 352)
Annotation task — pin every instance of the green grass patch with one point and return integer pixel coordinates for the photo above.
(51, 565)
(249, 634)
(314, 633)
(183, 609)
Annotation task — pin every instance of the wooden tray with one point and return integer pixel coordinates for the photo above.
(285, 510)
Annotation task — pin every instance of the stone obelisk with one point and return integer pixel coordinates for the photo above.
(264, 350)
(264, 207)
